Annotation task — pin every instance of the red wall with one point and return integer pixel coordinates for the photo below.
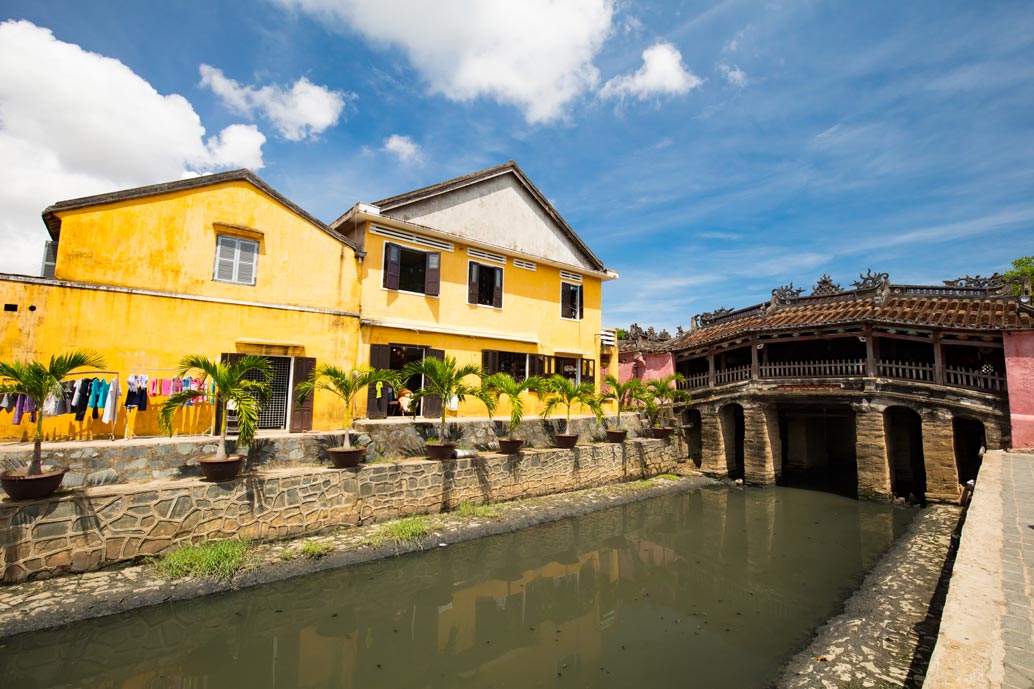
(1019, 369)
(650, 366)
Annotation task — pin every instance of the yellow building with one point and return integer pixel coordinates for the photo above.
(217, 265)
(482, 268)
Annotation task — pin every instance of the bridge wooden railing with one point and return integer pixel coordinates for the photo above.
(919, 372)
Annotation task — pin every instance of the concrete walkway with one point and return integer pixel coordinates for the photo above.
(987, 628)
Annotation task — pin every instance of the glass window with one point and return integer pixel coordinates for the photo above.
(571, 301)
(235, 260)
(514, 363)
(411, 270)
(485, 285)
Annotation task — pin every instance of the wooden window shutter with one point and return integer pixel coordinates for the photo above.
(497, 293)
(380, 357)
(433, 273)
(433, 403)
(472, 282)
(225, 258)
(247, 257)
(489, 361)
(589, 371)
(301, 414)
(581, 302)
(392, 264)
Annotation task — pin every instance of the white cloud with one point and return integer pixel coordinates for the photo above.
(303, 111)
(734, 75)
(536, 54)
(662, 74)
(76, 123)
(402, 147)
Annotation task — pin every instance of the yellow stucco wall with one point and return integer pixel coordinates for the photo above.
(167, 244)
(531, 309)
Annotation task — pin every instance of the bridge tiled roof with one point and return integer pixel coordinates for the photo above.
(926, 307)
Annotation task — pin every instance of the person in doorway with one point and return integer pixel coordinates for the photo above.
(405, 400)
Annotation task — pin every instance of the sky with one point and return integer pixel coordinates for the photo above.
(707, 150)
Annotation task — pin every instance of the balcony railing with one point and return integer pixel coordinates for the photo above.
(851, 368)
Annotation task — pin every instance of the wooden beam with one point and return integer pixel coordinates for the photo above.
(938, 359)
(755, 369)
(710, 368)
(870, 352)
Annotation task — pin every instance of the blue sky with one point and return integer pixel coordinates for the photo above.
(709, 151)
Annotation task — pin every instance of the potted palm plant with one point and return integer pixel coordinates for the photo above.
(504, 385)
(35, 380)
(235, 392)
(346, 385)
(563, 392)
(665, 393)
(447, 379)
(625, 394)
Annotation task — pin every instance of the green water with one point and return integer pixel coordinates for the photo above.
(714, 588)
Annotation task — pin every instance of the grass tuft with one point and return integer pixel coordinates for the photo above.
(668, 477)
(314, 550)
(471, 511)
(402, 532)
(220, 559)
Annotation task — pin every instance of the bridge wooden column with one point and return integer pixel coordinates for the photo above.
(871, 453)
(762, 448)
(942, 477)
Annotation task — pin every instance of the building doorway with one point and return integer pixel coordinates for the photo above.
(903, 434)
(383, 401)
(281, 405)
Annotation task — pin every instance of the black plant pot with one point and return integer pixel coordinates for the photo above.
(566, 441)
(21, 487)
(222, 469)
(440, 451)
(616, 436)
(346, 457)
(510, 447)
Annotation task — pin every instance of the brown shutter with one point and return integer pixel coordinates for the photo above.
(589, 371)
(581, 302)
(392, 265)
(472, 282)
(432, 273)
(489, 361)
(433, 403)
(497, 293)
(301, 414)
(380, 357)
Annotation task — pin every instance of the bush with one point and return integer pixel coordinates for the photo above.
(220, 559)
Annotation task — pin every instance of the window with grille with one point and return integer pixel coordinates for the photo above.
(235, 260)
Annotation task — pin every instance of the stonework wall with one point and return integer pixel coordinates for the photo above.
(871, 454)
(145, 459)
(942, 476)
(93, 527)
(712, 442)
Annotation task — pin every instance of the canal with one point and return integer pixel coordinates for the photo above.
(714, 588)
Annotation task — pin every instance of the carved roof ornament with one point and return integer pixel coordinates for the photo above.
(711, 316)
(977, 281)
(870, 280)
(825, 286)
(786, 293)
(679, 332)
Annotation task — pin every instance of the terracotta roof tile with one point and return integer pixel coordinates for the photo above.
(915, 310)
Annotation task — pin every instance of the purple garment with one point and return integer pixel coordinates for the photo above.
(24, 405)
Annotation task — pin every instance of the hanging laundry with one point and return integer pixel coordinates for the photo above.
(111, 401)
(7, 402)
(82, 398)
(22, 406)
(78, 391)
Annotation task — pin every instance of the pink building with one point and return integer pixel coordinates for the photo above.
(1019, 370)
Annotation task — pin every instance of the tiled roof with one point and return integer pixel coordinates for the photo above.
(901, 307)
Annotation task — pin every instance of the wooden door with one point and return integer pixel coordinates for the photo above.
(377, 408)
(301, 413)
(433, 403)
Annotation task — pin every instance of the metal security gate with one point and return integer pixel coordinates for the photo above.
(273, 414)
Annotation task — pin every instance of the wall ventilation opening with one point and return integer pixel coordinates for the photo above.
(10, 307)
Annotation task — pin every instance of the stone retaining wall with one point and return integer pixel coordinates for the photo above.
(89, 528)
(98, 462)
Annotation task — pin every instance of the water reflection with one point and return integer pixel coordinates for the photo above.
(715, 588)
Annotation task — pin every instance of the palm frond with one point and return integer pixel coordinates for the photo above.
(169, 408)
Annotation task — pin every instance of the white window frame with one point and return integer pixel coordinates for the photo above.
(581, 300)
(237, 243)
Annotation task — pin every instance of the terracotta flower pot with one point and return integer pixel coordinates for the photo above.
(566, 441)
(21, 487)
(661, 433)
(616, 436)
(346, 457)
(440, 451)
(510, 447)
(222, 469)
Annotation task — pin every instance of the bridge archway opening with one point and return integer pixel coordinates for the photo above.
(733, 433)
(903, 434)
(819, 447)
(970, 442)
(694, 440)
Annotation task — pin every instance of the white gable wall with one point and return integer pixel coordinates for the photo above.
(497, 211)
